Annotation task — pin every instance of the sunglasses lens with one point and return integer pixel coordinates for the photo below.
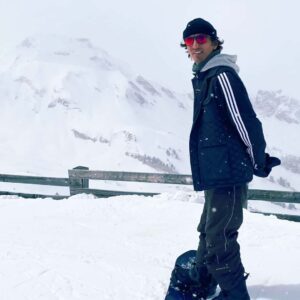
(201, 39)
(189, 41)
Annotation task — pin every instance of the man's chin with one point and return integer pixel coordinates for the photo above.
(198, 59)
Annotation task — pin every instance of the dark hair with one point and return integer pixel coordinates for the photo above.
(215, 41)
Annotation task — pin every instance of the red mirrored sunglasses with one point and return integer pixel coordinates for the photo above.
(199, 38)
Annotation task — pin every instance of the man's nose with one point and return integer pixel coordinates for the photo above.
(195, 44)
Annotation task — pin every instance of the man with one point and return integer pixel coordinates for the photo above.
(227, 147)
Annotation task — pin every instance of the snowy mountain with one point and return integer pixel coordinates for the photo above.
(275, 104)
(66, 102)
(121, 105)
(147, 34)
(281, 121)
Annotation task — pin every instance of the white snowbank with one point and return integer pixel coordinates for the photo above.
(124, 248)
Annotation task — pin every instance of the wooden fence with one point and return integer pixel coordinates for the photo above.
(78, 182)
(36, 180)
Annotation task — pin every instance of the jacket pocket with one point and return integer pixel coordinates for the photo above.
(214, 163)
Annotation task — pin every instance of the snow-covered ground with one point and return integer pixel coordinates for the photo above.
(123, 248)
(106, 94)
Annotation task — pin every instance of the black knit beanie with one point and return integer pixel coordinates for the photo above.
(199, 26)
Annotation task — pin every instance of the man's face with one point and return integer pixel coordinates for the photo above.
(199, 47)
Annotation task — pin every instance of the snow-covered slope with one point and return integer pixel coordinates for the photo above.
(147, 34)
(83, 248)
(66, 102)
(280, 116)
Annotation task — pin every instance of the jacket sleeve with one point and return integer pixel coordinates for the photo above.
(244, 118)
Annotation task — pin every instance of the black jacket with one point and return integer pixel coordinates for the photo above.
(227, 144)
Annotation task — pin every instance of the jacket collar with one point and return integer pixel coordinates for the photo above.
(198, 67)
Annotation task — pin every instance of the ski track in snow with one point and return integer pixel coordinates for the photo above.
(125, 247)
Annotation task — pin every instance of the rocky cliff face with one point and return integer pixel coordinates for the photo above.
(274, 103)
(280, 115)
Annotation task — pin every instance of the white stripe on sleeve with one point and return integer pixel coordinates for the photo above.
(235, 114)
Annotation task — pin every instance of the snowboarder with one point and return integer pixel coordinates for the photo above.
(227, 147)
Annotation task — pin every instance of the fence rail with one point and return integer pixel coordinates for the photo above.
(32, 196)
(131, 176)
(34, 180)
(78, 182)
(274, 196)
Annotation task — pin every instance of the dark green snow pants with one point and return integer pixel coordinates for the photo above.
(218, 249)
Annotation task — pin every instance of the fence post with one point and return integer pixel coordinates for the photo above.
(78, 183)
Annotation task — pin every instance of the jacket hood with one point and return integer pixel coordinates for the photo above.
(221, 60)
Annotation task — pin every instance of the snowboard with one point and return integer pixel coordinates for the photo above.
(182, 286)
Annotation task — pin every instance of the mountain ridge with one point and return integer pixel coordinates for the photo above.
(76, 105)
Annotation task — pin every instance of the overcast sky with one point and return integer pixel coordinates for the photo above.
(146, 34)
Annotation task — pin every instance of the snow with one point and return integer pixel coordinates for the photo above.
(125, 247)
(85, 108)
(67, 102)
(147, 34)
(90, 96)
